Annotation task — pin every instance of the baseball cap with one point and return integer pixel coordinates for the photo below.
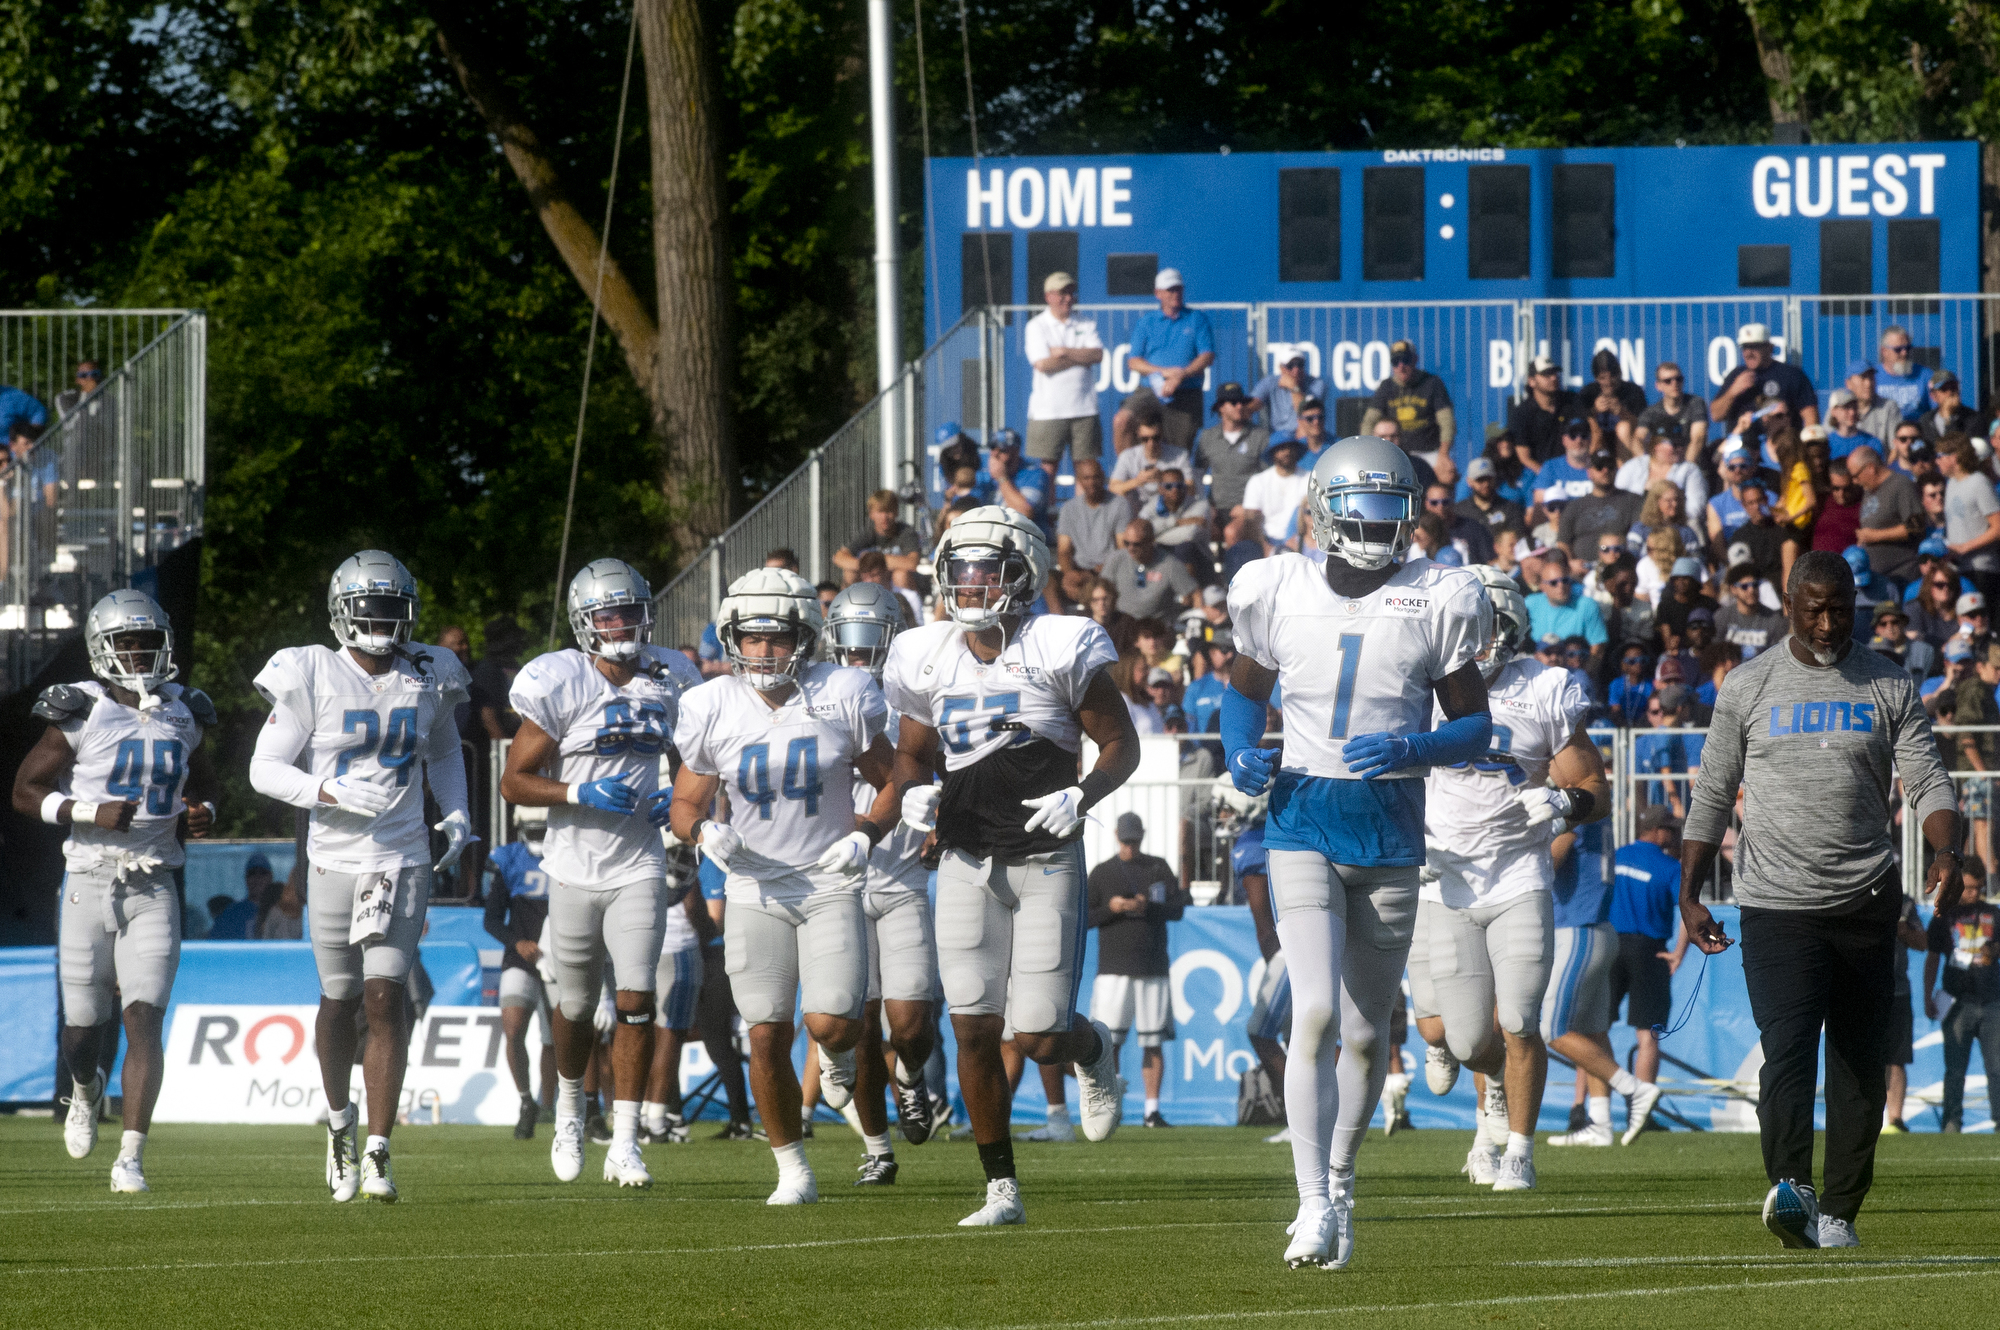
(1222, 640)
(1860, 366)
(1296, 356)
(1604, 457)
(1578, 428)
(1543, 365)
(1166, 279)
(257, 863)
(1982, 449)
(1158, 675)
(1687, 566)
(1130, 828)
(1404, 349)
(1958, 649)
(1656, 818)
(1944, 378)
(1449, 557)
(1006, 440)
(1857, 563)
(1702, 614)
(1889, 609)
(1214, 595)
(1231, 392)
(1738, 553)
(1969, 602)
(946, 433)
(1839, 397)
(1672, 697)
(1480, 467)
(1752, 334)
(1933, 547)
(1057, 281)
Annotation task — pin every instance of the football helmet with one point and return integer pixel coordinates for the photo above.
(373, 603)
(608, 596)
(996, 555)
(863, 619)
(1511, 634)
(1246, 808)
(769, 600)
(142, 665)
(1364, 502)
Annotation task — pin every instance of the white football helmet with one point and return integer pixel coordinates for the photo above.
(1248, 808)
(608, 596)
(1511, 635)
(373, 602)
(1364, 501)
(769, 600)
(863, 620)
(996, 555)
(145, 659)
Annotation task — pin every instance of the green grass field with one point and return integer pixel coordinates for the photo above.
(1178, 1227)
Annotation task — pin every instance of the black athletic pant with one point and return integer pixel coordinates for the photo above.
(1809, 971)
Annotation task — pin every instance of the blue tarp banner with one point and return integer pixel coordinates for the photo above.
(27, 1023)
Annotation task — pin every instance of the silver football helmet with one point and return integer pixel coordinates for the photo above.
(1511, 634)
(995, 555)
(862, 621)
(130, 642)
(373, 602)
(1246, 808)
(1364, 501)
(769, 600)
(610, 610)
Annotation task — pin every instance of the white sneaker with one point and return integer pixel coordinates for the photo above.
(1440, 1070)
(1836, 1233)
(1054, 1131)
(1593, 1133)
(566, 1150)
(801, 1190)
(1343, 1224)
(377, 1182)
(1515, 1173)
(1101, 1097)
(1395, 1090)
(1003, 1206)
(1482, 1165)
(836, 1078)
(1791, 1210)
(80, 1127)
(1641, 1108)
(1493, 1115)
(128, 1175)
(623, 1166)
(1283, 1136)
(1312, 1236)
(343, 1161)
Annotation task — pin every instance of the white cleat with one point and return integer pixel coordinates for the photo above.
(1343, 1224)
(1395, 1090)
(623, 1166)
(80, 1127)
(1482, 1165)
(1101, 1097)
(1003, 1206)
(128, 1175)
(343, 1162)
(1493, 1119)
(1055, 1131)
(1836, 1233)
(377, 1182)
(802, 1190)
(1641, 1108)
(836, 1078)
(1312, 1236)
(1515, 1173)
(1595, 1133)
(566, 1151)
(1283, 1136)
(1440, 1070)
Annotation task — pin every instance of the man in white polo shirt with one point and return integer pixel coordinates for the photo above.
(1062, 404)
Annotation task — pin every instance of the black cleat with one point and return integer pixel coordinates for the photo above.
(913, 1112)
(877, 1171)
(1579, 1118)
(1156, 1119)
(598, 1130)
(524, 1125)
(737, 1131)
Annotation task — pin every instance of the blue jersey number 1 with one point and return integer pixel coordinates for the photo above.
(1350, 667)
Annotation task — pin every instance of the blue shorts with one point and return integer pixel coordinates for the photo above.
(677, 984)
(1247, 855)
(1366, 823)
(1271, 1010)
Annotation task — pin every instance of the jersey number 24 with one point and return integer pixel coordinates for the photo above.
(394, 750)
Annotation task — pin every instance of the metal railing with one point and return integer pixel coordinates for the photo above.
(112, 487)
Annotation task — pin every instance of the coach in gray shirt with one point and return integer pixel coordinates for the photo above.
(1815, 732)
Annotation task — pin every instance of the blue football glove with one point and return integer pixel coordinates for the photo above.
(1251, 768)
(658, 805)
(1372, 755)
(611, 795)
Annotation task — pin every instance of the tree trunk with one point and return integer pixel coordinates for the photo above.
(1788, 121)
(576, 240)
(695, 370)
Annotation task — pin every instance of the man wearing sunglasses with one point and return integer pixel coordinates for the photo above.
(1419, 403)
(1536, 421)
(88, 379)
(1678, 415)
(1556, 611)
(1901, 379)
(1283, 397)
(1744, 622)
(1726, 513)
(1606, 510)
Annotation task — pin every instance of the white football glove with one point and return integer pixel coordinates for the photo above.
(1546, 805)
(847, 856)
(606, 1017)
(356, 795)
(457, 828)
(1060, 814)
(719, 841)
(920, 805)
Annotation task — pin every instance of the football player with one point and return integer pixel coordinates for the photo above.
(902, 950)
(112, 767)
(1490, 823)
(1360, 643)
(517, 905)
(595, 720)
(786, 736)
(375, 717)
(1001, 701)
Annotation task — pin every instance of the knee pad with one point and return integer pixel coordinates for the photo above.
(576, 1010)
(644, 1016)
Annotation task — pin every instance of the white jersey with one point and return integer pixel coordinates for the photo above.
(788, 771)
(680, 934)
(895, 866)
(604, 731)
(375, 727)
(125, 754)
(1476, 833)
(1355, 665)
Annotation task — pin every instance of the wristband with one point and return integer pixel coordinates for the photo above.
(870, 830)
(1580, 803)
(694, 837)
(569, 794)
(1095, 787)
(82, 812)
(52, 808)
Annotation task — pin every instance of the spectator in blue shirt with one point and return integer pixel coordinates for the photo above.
(1567, 477)
(1645, 908)
(1283, 396)
(235, 923)
(20, 408)
(1202, 699)
(1556, 611)
(1666, 754)
(1017, 481)
(1900, 378)
(1172, 348)
(1632, 689)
